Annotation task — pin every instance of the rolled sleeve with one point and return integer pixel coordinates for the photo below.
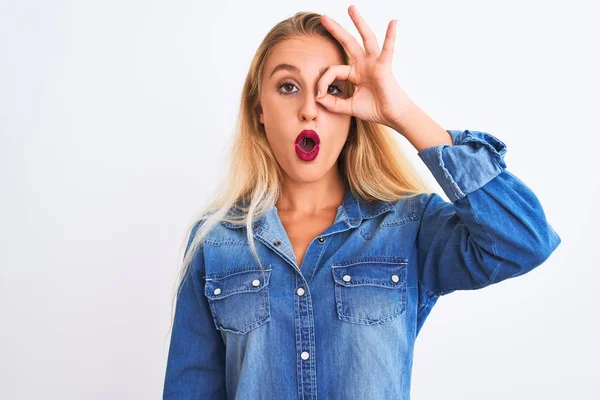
(474, 159)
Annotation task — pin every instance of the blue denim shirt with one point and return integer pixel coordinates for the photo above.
(344, 325)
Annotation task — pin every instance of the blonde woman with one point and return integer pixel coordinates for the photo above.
(313, 269)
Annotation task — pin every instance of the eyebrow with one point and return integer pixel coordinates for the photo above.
(293, 68)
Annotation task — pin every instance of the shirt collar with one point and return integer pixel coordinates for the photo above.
(352, 211)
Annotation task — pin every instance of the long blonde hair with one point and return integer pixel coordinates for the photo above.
(371, 162)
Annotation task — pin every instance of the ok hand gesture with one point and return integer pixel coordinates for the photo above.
(377, 96)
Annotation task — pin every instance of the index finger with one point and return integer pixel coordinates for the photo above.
(352, 47)
(369, 39)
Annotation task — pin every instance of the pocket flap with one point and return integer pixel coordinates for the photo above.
(389, 274)
(238, 281)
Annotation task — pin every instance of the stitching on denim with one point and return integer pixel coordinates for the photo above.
(323, 250)
(248, 327)
(210, 296)
(238, 290)
(458, 193)
(214, 314)
(368, 235)
(388, 207)
(430, 292)
(347, 218)
(430, 299)
(264, 292)
(431, 296)
(298, 334)
(236, 271)
(373, 282)
(446, 291)
(370, 259)
(401, 221)
(312, 360)
(497, 154)
(492, 150)
(493, 245)
(431, 196)
(225, 242)
(401, 270)
(364, 321)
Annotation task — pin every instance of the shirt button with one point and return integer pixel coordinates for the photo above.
(346, 278)
(321, 240)
(217, 291)
(254, 226)
(256, 282)
(395, 278)
(276, 243)
(300, 291)
(304, 355)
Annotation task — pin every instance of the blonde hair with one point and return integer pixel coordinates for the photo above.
(371, 162)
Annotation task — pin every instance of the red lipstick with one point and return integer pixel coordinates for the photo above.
(307, 145)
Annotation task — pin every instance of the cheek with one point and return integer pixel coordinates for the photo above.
(339, 144)
(274, 133)
(274, 113)
(342, 123)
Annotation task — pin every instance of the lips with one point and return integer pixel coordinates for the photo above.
(303, 149)
(310, 134)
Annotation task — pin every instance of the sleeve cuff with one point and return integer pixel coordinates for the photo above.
(475, 159)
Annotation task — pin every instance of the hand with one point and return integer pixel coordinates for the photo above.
(377, 96)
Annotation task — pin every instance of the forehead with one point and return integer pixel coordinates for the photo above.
(309, 54)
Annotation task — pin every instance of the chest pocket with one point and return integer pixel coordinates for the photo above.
(370, 291)
(239, 299)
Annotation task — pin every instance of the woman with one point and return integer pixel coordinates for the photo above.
(312, 272)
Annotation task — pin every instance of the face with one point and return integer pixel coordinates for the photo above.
(288, 106)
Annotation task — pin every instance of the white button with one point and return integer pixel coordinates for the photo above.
(256, 282)
(217, 291)
(395, 278)
(346, 278)
(300, 291)
(304, 355)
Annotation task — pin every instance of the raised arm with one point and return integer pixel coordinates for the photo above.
(494, 226)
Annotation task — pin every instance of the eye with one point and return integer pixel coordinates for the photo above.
(285, 84)
(340, 91)
(289, 85)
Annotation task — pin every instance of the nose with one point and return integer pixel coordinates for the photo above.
(310, 107)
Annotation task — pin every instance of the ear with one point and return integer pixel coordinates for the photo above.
(260, 115)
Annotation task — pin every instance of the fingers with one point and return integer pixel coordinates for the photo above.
(350, 44)
(337, 104)
(387, 54)
(369, 39)
(342, 72)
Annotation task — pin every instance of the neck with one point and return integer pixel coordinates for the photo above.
(309, 198)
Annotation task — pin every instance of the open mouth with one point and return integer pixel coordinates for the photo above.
(307, 144)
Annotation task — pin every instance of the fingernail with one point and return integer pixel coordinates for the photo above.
(318, 94)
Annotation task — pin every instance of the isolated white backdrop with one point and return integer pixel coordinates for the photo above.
(115, 118)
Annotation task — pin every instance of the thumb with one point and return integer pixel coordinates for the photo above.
(335, 104)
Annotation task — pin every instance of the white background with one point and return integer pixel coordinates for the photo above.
(114, 121)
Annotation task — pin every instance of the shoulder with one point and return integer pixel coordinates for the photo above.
(410, 208)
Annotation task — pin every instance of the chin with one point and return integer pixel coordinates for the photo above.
(307, 177)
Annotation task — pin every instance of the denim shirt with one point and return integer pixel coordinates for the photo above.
(344, 325)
